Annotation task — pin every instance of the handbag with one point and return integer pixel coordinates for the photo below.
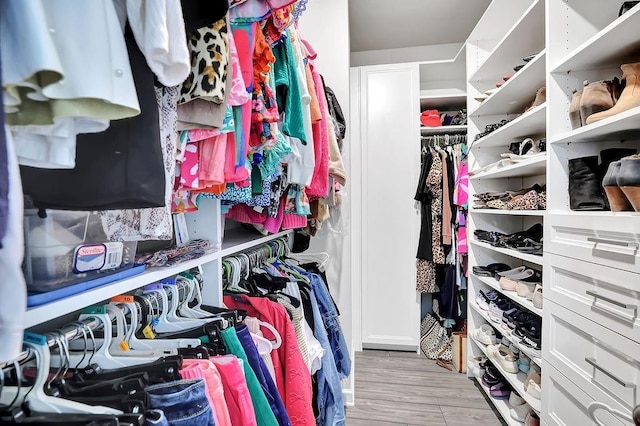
(430, 118)
(459, 344)
(435, 343)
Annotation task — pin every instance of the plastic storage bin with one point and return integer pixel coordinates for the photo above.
(67, 247)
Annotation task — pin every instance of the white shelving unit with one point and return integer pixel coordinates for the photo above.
(205, 223)
(588, 41)
(536, 260)
(490, 55)
(529, 124)
(534, 166)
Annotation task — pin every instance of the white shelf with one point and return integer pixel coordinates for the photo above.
(529, 124)
(509, 212)
(526, 37)
(233, 243)
(515, 380)
(443, 99)
(531, 258)
(525, 303)
(618, 127)
(502, 405)
(532, 167)
(507, 333)
(612, 46)
(237, 240)
(442, 130)
(517, 93)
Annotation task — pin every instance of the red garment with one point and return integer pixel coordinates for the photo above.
(319, 186)
(292, 375)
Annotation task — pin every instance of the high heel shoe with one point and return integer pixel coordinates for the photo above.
(628, 179)
(618, 201)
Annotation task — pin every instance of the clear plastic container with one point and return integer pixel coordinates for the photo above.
(67, 247)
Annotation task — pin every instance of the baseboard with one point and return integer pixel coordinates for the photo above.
(349, 397)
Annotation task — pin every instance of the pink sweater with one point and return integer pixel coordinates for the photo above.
(319, 186)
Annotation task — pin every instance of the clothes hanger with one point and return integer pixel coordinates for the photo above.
(161, 323)
(195, 294)
(35, 396)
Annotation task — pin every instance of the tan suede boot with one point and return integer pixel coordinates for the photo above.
(574, 110)
(597, 97)
(630, 97)
(541, 97)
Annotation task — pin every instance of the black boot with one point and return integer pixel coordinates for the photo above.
(585, 189)
(610, 155)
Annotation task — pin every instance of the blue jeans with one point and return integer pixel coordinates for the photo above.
(184, 402)
(331, 323)
(330, 402)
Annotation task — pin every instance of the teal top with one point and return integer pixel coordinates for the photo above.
(288, 90)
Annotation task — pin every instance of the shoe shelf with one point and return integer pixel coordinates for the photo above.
(502, 405)
(485, 315)
(620, 126)
(524, 38)
(509, 212)
(531, 167)
(515, 380)
(525, 303)
(442, 99)
(530, 123)
(531, 258)
(516, 93)
(442, 130)
(234, 241)
(611, 46)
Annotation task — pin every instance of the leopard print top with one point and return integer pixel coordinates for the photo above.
(209, 48)
(434, 183)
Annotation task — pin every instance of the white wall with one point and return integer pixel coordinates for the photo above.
(325, 24)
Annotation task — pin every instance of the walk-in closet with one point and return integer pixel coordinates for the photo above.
(320, 212)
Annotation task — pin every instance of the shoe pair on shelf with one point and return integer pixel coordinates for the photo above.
(526, 149)
(490, 128)
(529, 241)
(498, 387)
(587, 178)
(519, 408)
(606, 98)
(539, 99)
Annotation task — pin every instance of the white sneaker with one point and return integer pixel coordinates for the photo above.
(485, 334)
(520, 412)
(516, 400)
(507, 360)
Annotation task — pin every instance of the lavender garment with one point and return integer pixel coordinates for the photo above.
(4, 175)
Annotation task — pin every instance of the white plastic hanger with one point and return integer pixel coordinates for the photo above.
(172, 314)
(102, 356)
(35, 395)
(163, 324)
(194, 294)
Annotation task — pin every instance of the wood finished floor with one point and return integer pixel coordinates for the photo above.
(402, 388)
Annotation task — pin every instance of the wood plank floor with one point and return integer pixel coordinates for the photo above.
(402, 388)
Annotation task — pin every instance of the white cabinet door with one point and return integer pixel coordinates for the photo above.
(390, 158)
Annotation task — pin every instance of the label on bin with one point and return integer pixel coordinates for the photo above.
(97, 257)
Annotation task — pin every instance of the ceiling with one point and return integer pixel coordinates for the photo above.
(379, 24)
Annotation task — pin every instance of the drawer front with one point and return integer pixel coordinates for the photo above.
(602, 363)
(564, 404)
(607, 296)
(611, 241)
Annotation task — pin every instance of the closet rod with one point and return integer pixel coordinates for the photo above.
(75, 330)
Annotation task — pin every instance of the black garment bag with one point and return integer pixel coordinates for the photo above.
(120, 168)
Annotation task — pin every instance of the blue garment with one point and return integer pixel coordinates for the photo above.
(184, 402)
(264, 377)
(330, 403)
(331, 323)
